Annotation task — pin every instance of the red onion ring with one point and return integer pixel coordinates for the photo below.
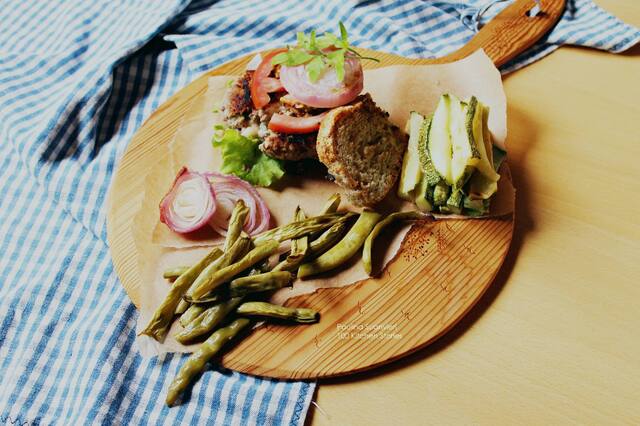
(327, 92)
(190, 203)
(230, 189)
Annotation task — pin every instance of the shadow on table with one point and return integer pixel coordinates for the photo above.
(519, 127)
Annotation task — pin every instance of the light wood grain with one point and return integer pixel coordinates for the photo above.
(442, 270)
(555, 340)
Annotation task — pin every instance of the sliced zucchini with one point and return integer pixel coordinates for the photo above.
(480, 187)
(475, 207)
(498, 157)
(454, 202)
(441, 194)
(411, 174)
(428, 169)
(424, 195)
(465, 155)
(439, 140)
(486, 134)
(477, 125)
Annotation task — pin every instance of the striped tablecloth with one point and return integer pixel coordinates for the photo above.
(77, 78)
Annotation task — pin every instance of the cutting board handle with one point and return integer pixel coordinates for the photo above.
(511, 32)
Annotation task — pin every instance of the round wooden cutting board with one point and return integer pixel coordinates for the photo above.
(442, 269)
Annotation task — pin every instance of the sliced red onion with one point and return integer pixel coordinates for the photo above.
(230, 189)
(189, 204)
(327, 92)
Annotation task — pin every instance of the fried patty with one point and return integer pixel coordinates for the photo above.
(238, 112)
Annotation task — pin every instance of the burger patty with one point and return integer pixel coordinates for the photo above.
(238, 112)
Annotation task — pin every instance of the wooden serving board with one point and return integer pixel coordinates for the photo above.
(442, 269)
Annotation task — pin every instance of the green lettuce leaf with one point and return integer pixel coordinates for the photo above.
(241, 157)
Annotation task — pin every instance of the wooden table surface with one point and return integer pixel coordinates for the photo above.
(557, 338)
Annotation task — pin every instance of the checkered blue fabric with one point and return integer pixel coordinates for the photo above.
(77, 78)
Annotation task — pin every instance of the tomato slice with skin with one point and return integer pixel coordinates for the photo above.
(261, 83)
(295, 125)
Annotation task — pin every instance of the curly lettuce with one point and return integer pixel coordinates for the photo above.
(241, 157)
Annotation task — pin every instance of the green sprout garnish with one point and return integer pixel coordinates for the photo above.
(313, 52)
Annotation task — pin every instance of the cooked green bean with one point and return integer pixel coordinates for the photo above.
(207, 321)
(237, 250)
(159, 323)
(259, 283)
(332, 205)
(212, 297)
(173, 273)
(299, 248)
(197, 362)
(225, 274)
(264, 309)
(182, 307)
(191, 314)
(345, 249)
(236, 222)
(301, 228)
(368, 243)
(327, 239)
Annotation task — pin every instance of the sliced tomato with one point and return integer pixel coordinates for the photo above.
(261, 83)
(297, 125)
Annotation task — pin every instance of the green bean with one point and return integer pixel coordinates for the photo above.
(207, 321)
(301, 228)
(327, 239)
(264, 309)
(234, 252)
(191, 314)
(173, 273)
(259, 283)
(368, 243)
(236, 222)
(197, 362)
(225, 274)
(332, 205)
(182, 307)
(237, 250)
(162, 317)
(345, 249)
(299, 248)
(212, 297)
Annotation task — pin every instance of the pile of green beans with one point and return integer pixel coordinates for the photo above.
(216, 297)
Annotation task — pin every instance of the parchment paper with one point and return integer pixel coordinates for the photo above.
(396, 89)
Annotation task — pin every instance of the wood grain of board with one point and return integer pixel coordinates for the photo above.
(441, 272)
(555, 341)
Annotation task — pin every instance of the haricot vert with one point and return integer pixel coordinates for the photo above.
(234, 282)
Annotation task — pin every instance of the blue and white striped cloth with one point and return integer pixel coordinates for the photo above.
(77, 78)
